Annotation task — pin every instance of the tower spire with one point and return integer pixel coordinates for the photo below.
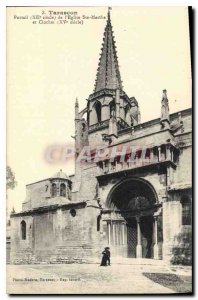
(108, 74)
(76, 110)
(165, 118)
(108, 14)
(76, 103)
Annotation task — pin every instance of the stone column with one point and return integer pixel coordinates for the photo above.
(107, 166)
(103, 167)
(163, 153)
(159, 153)
(117, 100)
(122, 113)
(171, 154)
(139, 242)
(156, 246)
(123, 234)
(171, 224)
(168, 152)
(116, 234)
(155, 155)
(120, 233)
(105, 113)
(168, 176)
(151, 160)
(109, 233)
(113, 229)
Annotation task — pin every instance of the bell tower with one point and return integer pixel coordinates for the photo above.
(109, 109)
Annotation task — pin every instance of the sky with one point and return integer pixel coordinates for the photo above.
(49, 65)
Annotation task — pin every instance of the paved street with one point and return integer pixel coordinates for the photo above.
(84, 278)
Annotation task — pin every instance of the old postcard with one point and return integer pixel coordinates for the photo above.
(99, 150)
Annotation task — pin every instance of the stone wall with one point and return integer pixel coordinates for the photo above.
(172, 220)
(36, 193)
(21, 250)
(88, 182)
(39, 194)
(57, 236)
(183, 172)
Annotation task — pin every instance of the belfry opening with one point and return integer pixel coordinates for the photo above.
(133, 220)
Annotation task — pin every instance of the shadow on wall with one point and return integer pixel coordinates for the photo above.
(182, 248)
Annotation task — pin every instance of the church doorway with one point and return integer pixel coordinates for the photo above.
(146, 228)
(132, 220)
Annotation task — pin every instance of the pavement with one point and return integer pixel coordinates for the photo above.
(126, 278)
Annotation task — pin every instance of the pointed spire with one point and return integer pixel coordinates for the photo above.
(76, 110)
(164, 95)
(76, 103)
(164, 107)
(13, 210)
(108, 15)
(108, 74)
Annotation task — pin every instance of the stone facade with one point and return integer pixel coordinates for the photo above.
(137, 203)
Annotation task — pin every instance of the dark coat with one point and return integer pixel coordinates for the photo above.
(106, 258)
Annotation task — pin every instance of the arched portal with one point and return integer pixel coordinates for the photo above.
(131, 210)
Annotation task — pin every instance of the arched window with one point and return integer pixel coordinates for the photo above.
(186, 210)
(23, 230)
(54, 190)
(126, 109)
(63, 190)
(98, 111)
(98, 222)
(83, 127)
(111, 107)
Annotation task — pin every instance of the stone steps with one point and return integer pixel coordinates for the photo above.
(138, 261)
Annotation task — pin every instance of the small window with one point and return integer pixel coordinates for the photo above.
(73, 212)
(23, 230)
(83, 127)
(54, 190)
(98, 111)
(63, 190)
(186, 210)
(98, 222)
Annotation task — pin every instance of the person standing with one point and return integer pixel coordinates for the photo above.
(106, 257)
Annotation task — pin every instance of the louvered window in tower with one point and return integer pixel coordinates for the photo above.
(98, 111)
(54, 190)
(63, 190)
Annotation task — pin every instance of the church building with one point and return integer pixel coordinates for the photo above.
(136, 197)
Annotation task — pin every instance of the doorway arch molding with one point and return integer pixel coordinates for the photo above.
(127, 180)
